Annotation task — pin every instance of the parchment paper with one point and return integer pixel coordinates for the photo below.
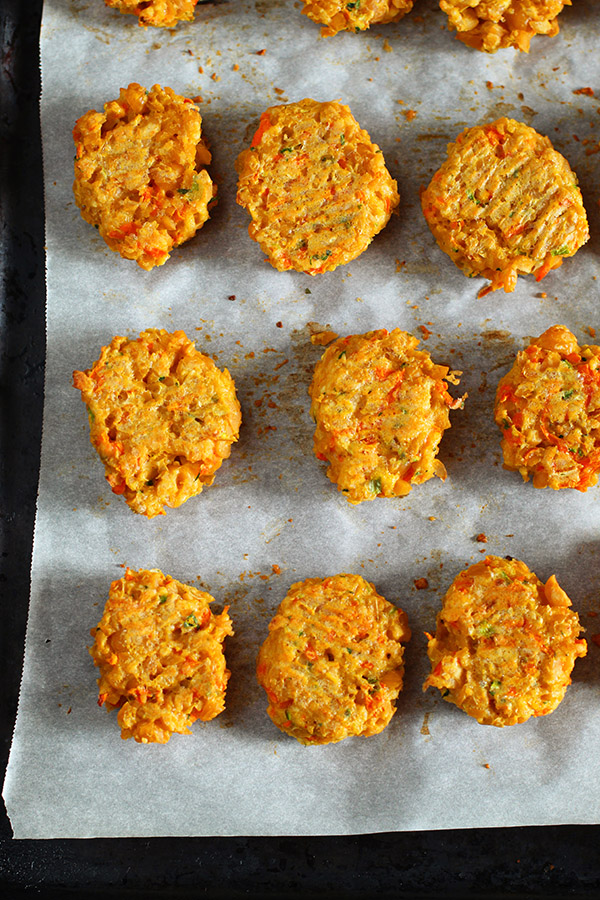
(70, 774)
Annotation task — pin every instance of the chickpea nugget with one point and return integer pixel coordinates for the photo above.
(139, 173)
(380, 407)
(159, 649)
(162, 416)
(340, 15)
(505, 202)
(492, 24)
(315, 185)
(505, 643)
(332, 665)
(161, 13)
(548, 408)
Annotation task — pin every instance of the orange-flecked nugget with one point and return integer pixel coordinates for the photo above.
(139, 173)
(315, 185)
(162, 13)
(162, 417)
(380, 407)
(505, 643)
(491, 24)
(159, 649)
(332, 665)
(505, 202)
(356, 15)
(548, 408)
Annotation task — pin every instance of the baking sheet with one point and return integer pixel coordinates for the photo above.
(272, 517)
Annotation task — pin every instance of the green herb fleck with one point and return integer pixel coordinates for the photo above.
(287, 715)
(321, 256)
(494, 687)
(307, 291)
(191, 622)
(505, 578)
(485, 629)
(355, 5)
(562, 251)
(506, 424)
(567, 394)
(193, 189)
(91, 415)
(342, 140)
(375, 485)
(300, 634)
(346, 712)
(162, 598)
(342, 355)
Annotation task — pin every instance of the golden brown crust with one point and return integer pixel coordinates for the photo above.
(315, 185)
(492, 24)
(505, 643)
(159, 649)
(332, 665)
(163, 418)
(548, 408)
(139, 173)
(505, 202)
(354, 15)
(160, 13)
(380, 407)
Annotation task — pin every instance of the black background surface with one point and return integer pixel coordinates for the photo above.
(505, 862)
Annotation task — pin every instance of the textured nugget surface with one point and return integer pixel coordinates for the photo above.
(332, 665)
(162, 418)
(380, 407)
(159, 649)
(548, 408)
(505, 643)
(490, 25)
(358, 15)
(505, 202)
(315, 185)
(162, 13)
(139, 173)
